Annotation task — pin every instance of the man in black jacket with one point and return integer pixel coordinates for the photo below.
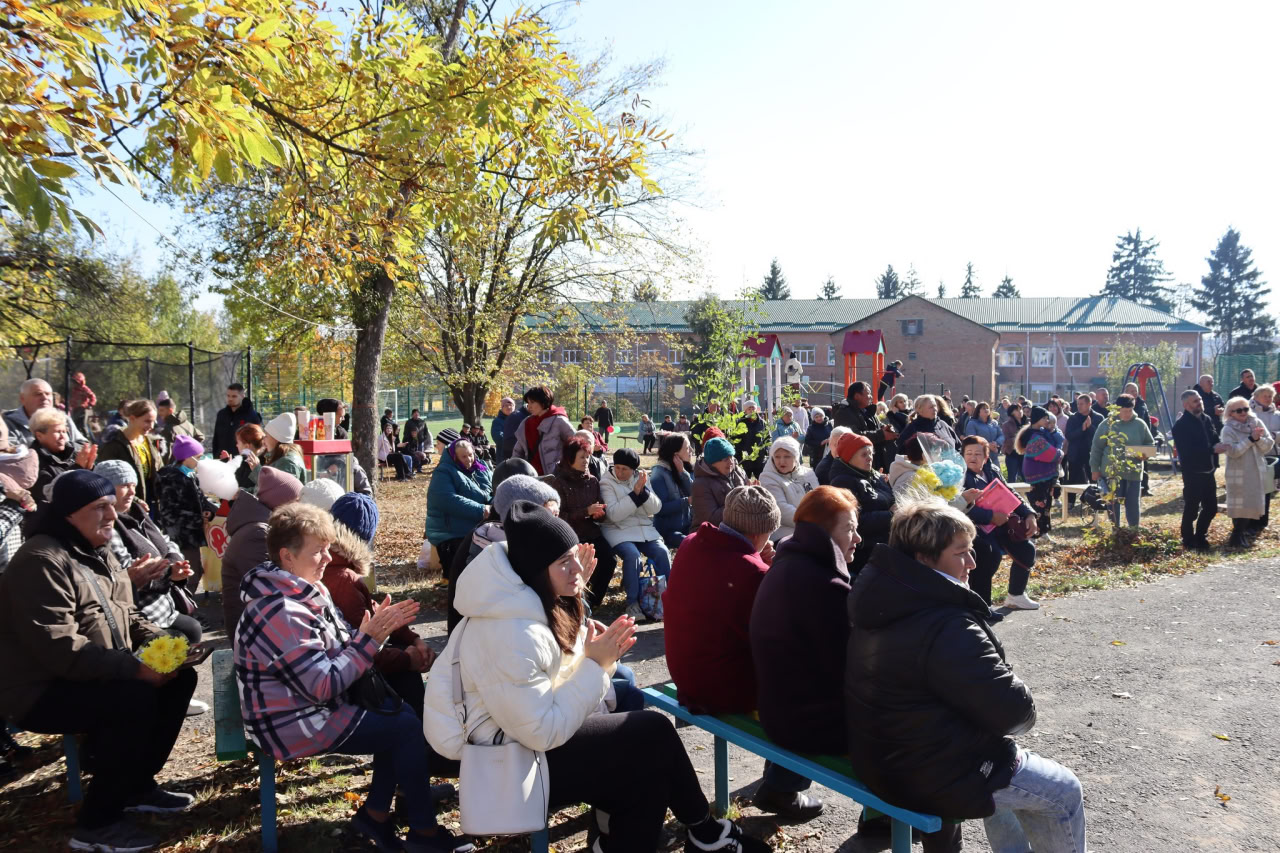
(859, 415)
(604, 419)
(1197, 442)
(1080, 429)
(1213, 404)
(239, 411)
(932, 704)
(1247, 383)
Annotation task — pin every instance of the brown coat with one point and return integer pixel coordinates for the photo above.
(343, 577)
(52, 625)
(710, 488)
(118, 446)
(247, 529)
(577, 490)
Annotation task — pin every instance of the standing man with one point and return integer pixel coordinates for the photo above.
(1100, 398)
(891, 376)
(1196, 439)
(604, 418)
(416, 422)
(238, 412)
(1080, 431)
(170, 423)
(32, 395)
(498, 426)
(860, 417)
(1246, 386)
(1213, 404)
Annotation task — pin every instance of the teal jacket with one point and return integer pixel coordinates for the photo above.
(455, 500)
(1136, 431)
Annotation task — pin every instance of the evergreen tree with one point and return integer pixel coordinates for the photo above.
(887, 285)
(1233, 296)
(829, 289)
(1006, 290)
(646, 291)
(969, 290)
(1137, 274)
(942, 290)
(911, 283)
(774, 285)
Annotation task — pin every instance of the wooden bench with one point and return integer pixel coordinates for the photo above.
(1074, 489)
(71, 749)
(231, 744)
(835, 772)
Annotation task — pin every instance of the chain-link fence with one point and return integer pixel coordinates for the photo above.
(1226, 369)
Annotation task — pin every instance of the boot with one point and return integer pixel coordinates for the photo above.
(1238, 528)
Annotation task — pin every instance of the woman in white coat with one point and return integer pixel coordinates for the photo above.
(629, 507)
(1250, 479)
(787, 480)
(533, 669)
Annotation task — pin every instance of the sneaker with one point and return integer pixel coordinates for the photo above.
(195, 708)
(1020, 602)
(160, 801)
(443, 841)
(381, 833)
(119, 837)
(634, 611)
(730, 840)
(795, 806)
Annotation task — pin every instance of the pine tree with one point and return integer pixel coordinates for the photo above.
(1232, 296)
(942, 290)
(911, 283)
(1006, 290)
(969, 290)
(646, 291)
(887, 285)
(1137, 274)
(774, 285)
(829, 289)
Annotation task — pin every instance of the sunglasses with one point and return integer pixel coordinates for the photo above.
(1238, 411)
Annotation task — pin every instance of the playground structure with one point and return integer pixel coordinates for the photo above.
(869, 343)
(1140, 374)
(755, 350)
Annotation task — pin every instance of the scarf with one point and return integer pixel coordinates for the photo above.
(531, 425)
(476, 464)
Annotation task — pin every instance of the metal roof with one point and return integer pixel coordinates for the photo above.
(1026, 314)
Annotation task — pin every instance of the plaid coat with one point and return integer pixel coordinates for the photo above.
(295, 659)
(1249, 477)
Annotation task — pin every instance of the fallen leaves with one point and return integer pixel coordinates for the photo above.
(1222, 798)
(1117, 642)
(1221, 736)
(1271, 642)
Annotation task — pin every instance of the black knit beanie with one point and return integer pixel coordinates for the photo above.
(627, 456)
(1038, 413)
(535, 539)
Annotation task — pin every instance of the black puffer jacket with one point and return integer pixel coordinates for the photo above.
(934, 426)
(931, 703)
(866, 423)
(875, 499)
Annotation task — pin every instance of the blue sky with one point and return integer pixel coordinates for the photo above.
(1024, 137)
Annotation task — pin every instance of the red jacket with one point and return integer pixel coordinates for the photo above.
(344, 578)
(707, 610)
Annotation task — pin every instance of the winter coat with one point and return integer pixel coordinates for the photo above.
(295, 660)
(756, 436)
(1269, 415)
(171, 426)
(792, 429)
(351, 560)
(226, 424)
(1135, 432)
(980, 515)
(707, 616)
(455, 500)
(511, 431)
(799, 639)
(182, 505)
(52, 625)
(246, 548)
(291, 463)
(118, 446)
(135, 535)
(20, 428)
(823, 469)
(1211, 402)
(553, 430)
(628, 517)
(1241, 391)
(1194, 437)
(604, 419)
(710, 488)
(1080, 439)
(867, 423)
(935, 426)
(1009, 429)
(897, 419)
(930, 698)
(990, 431)
(51, 465)
(497, 427)
(814, 436)
(515, 677)
(578, 490)
(1249, 478)
(1042, 455)
(875, 499)
(901, 472)
(788, 490)
(676, 516)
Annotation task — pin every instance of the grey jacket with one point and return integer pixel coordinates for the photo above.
(246, 548)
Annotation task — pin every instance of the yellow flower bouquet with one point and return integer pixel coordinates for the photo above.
(164, 654)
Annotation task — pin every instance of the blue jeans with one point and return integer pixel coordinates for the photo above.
(1128, 493)
(1042, 809)
(630, 553)
(399, 753)
(624, 688)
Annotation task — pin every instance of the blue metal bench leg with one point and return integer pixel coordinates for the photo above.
(540, 841)
(72, 751)
(722, 776)
(901, 837)
(267, 796)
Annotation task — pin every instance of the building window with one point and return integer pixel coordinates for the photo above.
(1010, 357)
(545, 356)
(624, 356)
(1185, 355)
(831, 354)
(912, 327)
(571, 356)
(806, 355)
(1042, 356)
(911, 356)
(1077, 356)
(650, 354)
(674, 356)
(1105, 357)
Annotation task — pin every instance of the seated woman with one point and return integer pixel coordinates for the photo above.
(582, 507)
(390, 453)
(931, 704)
(282, 453)
(787, 426)
(788, 480)
(54, 451)
(929, 419)
(990, 548)
(534, 669)
(588, 424)
(415, 447)
(480, 441)
(716, 474)
(251, 441)
(629, 509)
(457, 499)
(672, 480)
(295, 668)
(67, 662)
(852, 471)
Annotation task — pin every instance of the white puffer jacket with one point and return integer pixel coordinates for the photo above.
(624, 521)
(788, 490)
(514, 677)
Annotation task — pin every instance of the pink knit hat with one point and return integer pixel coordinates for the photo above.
(277, 488)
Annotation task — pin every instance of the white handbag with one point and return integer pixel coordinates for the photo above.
(503, 787)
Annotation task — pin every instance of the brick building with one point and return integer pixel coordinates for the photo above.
(980, 347)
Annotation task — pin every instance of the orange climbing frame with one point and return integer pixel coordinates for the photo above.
(869, 343)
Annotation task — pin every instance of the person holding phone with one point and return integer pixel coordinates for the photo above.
(67, 664)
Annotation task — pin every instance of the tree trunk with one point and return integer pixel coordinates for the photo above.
(372, 306)
(469, 398)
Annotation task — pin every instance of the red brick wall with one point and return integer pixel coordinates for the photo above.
(1087, 378)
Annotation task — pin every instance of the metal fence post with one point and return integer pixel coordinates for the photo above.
(66, 376)
(248, 373)
(148, 362)
(191, 381)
